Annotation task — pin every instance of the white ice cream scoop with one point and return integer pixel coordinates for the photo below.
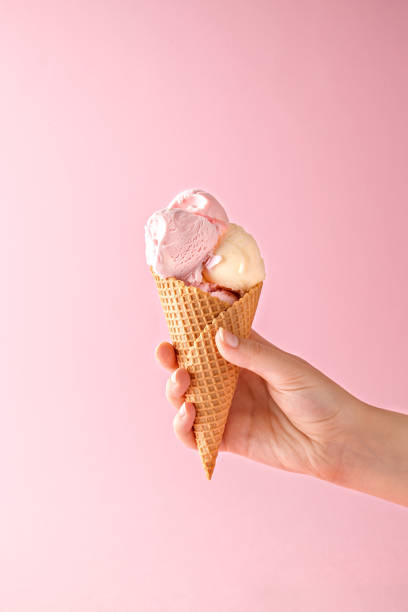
(237, 263)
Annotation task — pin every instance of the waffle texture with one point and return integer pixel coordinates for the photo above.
(193, 317)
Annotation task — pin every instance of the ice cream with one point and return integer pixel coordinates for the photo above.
(199, 202)
(178, 242)
(193, 241)
(219, 292)
(237, 262)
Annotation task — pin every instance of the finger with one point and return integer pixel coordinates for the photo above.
(176, 387)
(166, 356)
(254, 354)
(183, 425)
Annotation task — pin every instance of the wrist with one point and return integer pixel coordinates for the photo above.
(375, 452)
(357, 452)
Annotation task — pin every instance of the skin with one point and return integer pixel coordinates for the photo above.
(289, 415)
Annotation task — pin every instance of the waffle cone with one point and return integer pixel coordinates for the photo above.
(193, 317)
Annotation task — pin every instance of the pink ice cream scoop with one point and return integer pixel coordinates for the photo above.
(201, 203)
(178, 242)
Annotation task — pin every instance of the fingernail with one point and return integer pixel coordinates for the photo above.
(228, 338)
(182, 411)
(174, 376)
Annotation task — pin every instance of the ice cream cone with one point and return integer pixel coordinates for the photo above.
(193, 317)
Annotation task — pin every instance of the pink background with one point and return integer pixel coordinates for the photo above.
(295, 115)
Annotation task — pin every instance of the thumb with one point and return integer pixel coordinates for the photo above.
(257, 355)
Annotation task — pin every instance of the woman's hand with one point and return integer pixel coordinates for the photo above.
(287, 414)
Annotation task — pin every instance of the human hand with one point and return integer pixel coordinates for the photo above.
(287, 414)
(284, 413)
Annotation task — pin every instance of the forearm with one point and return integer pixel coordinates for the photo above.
(375, 458)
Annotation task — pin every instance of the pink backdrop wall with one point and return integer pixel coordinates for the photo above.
(295, 115)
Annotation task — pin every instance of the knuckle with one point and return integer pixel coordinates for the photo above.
(254, 352)
(256, 348)
(168, 387)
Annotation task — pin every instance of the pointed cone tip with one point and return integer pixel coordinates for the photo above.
(209, 469)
